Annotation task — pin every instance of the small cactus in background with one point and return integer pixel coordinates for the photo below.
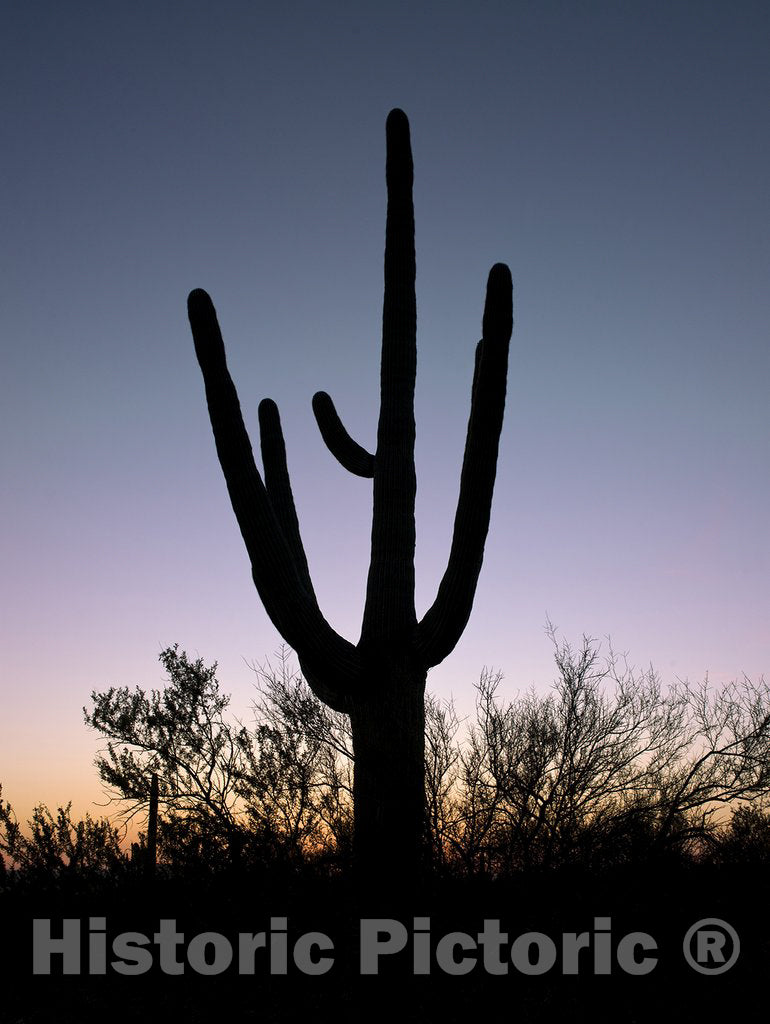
(152, 827)
(380, 681)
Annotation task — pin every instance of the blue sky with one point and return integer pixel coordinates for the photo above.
(615, 155)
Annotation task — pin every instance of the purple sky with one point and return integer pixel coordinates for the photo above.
(614, 155)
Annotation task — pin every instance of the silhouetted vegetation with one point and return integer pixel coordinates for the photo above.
(54, 848)
(608, 795)
(228, 794)
(606, 769)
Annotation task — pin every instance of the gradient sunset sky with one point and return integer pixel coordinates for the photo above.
(614, 154)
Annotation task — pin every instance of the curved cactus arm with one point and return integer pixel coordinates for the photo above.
(277, 576)
(347, 452)
(328, 691)
(389, 611)
(443, 623)
(278, 486)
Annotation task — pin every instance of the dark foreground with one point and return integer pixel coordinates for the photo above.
(497, 984)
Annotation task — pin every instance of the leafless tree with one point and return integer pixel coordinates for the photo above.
(608, 763)
(299, 777)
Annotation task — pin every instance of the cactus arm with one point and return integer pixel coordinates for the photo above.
(347, 452)
(389, 610)
(443, 623)
(278, 487)
(277, 576)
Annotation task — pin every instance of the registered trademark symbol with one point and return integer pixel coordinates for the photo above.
(711, 946)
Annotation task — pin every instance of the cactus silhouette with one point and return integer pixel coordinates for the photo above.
(380, 681)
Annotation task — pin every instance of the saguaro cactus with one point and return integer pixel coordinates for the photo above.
(380, 681)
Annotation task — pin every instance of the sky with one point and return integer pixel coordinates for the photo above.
(614, 155)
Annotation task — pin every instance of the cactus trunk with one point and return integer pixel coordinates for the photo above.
(389, 830)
